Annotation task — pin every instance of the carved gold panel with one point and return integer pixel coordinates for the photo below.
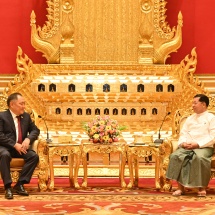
(106, 32)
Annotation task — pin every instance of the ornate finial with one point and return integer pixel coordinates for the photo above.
(157, 40)
(33, 18)
(188, 66)
(180, 19)
(67, 31)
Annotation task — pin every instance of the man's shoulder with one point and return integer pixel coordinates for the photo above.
(5, 112)
(208, 115)
(26, 115)
(211, 115)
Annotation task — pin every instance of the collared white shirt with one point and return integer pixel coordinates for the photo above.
(16, 123)
(199, 128)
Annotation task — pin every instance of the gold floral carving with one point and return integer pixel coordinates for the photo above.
(43, 167)
(157, 39)
(89, 31)
(191, 85)
(22, 83)
(55, 39)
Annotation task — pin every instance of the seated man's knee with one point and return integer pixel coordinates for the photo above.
(174, 156)
(33, 156)
(36, 157)
(5, 155)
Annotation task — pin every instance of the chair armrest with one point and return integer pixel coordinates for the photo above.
(174, 143)
(40, 146)
(165, 149)
(34, 145)
(43, 165)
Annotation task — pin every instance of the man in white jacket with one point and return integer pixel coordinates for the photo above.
(190, 164)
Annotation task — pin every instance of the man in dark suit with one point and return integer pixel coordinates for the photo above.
(17, 133)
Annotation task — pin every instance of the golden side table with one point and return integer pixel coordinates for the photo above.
(135, 151)
(73, 151)
(119, 147)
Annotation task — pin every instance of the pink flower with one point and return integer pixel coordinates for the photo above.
(103, 129)
(115, 139)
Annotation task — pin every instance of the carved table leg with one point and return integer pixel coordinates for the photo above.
(157, 172)
(77, 164)
(71, 163)
(136, 168)
(122, 169)
(130, 167)
(84, 160)
(51, 167)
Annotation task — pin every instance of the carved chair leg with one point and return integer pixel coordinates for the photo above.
(15, 176)
(43, 179)
(167, 185)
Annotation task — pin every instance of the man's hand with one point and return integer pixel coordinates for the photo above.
(22, 148)
(19, 148)
(26, 143)
(190, 145)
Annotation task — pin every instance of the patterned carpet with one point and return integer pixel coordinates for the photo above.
(104, 197)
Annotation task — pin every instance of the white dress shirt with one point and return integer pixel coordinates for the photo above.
(199, 128)
(16, 123)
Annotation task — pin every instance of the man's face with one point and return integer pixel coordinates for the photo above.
(198, 107)
(18, 106)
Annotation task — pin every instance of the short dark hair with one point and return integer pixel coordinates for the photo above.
(13, 96)
(202, 98)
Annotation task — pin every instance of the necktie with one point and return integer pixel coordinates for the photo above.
(19, 129)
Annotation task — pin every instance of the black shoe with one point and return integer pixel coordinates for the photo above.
(20, 190)
(8, 193)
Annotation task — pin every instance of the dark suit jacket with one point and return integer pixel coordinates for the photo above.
(8, 130)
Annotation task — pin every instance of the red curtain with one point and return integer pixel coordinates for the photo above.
(198, 31)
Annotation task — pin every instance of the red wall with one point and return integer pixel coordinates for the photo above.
(15, 31)
(198, 31)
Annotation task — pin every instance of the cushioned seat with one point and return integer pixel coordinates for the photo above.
(16, 162)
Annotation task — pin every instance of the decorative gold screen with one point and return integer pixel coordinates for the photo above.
(119, 44)
(106, 30)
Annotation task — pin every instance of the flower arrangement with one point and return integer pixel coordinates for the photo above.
(103, 130)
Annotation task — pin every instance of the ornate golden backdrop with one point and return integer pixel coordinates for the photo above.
(106, 32)
(103, 31)
(108, 56)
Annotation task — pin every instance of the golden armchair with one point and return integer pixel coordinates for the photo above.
(171, 144)
(39, 146)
